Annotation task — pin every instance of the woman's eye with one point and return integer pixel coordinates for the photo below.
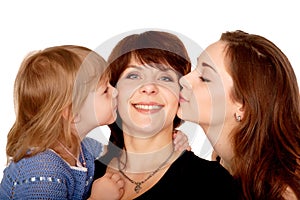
(166, 78)
(204, 79)
(132, 76)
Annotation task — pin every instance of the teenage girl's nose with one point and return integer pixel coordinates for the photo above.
(183, 81)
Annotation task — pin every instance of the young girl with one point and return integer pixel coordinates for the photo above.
(61, 93)
(58, 100)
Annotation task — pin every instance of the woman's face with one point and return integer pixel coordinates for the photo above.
(148, 99)
(205, 95)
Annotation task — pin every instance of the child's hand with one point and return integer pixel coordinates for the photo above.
(181, 141)
(108, 187)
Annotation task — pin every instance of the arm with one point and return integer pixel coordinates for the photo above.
(38, 176)
(108, 187)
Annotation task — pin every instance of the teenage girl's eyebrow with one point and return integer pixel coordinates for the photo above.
(204, 64)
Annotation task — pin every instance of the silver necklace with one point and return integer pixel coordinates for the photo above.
(138, 184)
(77, 160)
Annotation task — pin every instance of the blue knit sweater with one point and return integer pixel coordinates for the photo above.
(48, 176)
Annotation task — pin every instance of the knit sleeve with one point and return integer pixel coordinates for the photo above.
(41, 177)
(94, 147)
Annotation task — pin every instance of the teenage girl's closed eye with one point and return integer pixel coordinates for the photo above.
(204, 79)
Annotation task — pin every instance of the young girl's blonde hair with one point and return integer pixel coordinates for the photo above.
(49, 84)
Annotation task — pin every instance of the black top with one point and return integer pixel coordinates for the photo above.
(189, 177)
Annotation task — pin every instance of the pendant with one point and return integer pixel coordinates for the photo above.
(137, 187)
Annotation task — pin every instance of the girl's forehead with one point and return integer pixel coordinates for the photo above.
(213, 56)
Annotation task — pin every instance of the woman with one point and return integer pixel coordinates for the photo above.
(146, 69)
(256, 131)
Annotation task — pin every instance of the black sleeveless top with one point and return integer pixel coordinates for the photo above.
(189, 177)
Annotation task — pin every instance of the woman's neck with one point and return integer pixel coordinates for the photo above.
(153, 142)
(144, 162)
(145, 154)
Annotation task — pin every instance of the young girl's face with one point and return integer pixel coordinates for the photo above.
(98, 109)
(105, 104)
(206, 100)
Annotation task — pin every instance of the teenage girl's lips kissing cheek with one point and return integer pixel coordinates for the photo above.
(182, 99)
(147, 107)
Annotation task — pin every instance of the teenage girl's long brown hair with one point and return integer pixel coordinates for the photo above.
(267, 141)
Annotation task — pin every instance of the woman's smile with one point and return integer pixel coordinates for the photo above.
(148, 108)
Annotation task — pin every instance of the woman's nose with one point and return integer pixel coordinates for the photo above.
(149, 89)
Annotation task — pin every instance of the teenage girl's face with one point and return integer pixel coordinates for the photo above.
(205, 95)
(148, 99)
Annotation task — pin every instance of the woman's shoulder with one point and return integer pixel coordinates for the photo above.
(190, 177)
(212, 177)
(193, 160)
(195, 166)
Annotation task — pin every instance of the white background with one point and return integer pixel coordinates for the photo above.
(32, 25)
